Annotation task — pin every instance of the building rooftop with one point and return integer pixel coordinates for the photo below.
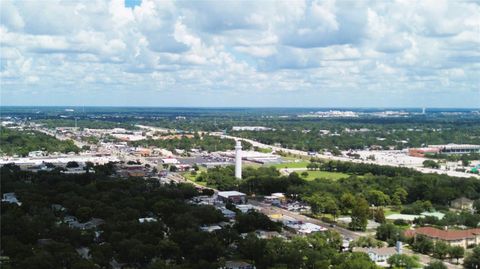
(462, 200)
(228, 194)
(447, 235)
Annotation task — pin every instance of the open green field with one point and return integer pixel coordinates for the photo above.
(388, 211)
(300, 164)
(324, 174)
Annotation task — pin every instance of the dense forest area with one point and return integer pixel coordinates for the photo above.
(13, 142)
(35, 234)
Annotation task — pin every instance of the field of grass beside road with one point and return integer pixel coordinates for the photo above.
(293, 164)
(312, 175)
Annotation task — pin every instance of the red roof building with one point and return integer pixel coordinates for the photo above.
(463, 238)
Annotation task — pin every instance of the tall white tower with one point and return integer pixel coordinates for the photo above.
(238, 160)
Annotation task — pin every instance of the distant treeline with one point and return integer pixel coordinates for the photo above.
(13, 142)
(206, 142)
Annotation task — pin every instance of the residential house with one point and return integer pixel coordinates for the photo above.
(462, 203)
(11, 198)
(378, 255)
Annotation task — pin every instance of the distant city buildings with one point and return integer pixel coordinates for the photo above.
(251, 128)
(444, 149)
(330, 114)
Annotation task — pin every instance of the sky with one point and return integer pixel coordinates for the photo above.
(402, 53)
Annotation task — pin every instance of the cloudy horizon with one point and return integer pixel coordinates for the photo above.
(241, 53)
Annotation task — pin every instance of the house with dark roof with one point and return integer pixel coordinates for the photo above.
(463, 238)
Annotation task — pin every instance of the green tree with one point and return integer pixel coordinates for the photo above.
(431, 164)
(378, 198)
(253, 248)
(472, 261)
(440, 250)
(403, 261)
(456, 252)
(379, 215)
(360, 214)
(354, 261)
(347, 201)
(72, 164)
(435, 265)
(366, 242)
(465, 162)
(84, 213)
(390, 233)
(423, 244)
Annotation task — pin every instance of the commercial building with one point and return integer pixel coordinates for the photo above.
(250, 128)
(255, 156)
(457, 149)
(444, 149)
(463, 238)
(231, 196)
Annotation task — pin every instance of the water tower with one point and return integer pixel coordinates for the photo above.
(238, 160)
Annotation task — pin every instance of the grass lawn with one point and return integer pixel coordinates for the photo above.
(324, 174)
(388, 211)
(264, 150)
(300, 164)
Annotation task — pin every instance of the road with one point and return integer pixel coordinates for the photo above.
(267, 209)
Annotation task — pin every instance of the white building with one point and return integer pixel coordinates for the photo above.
(250, 128)
(38, 153)
(378, 255)
(170, 161)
